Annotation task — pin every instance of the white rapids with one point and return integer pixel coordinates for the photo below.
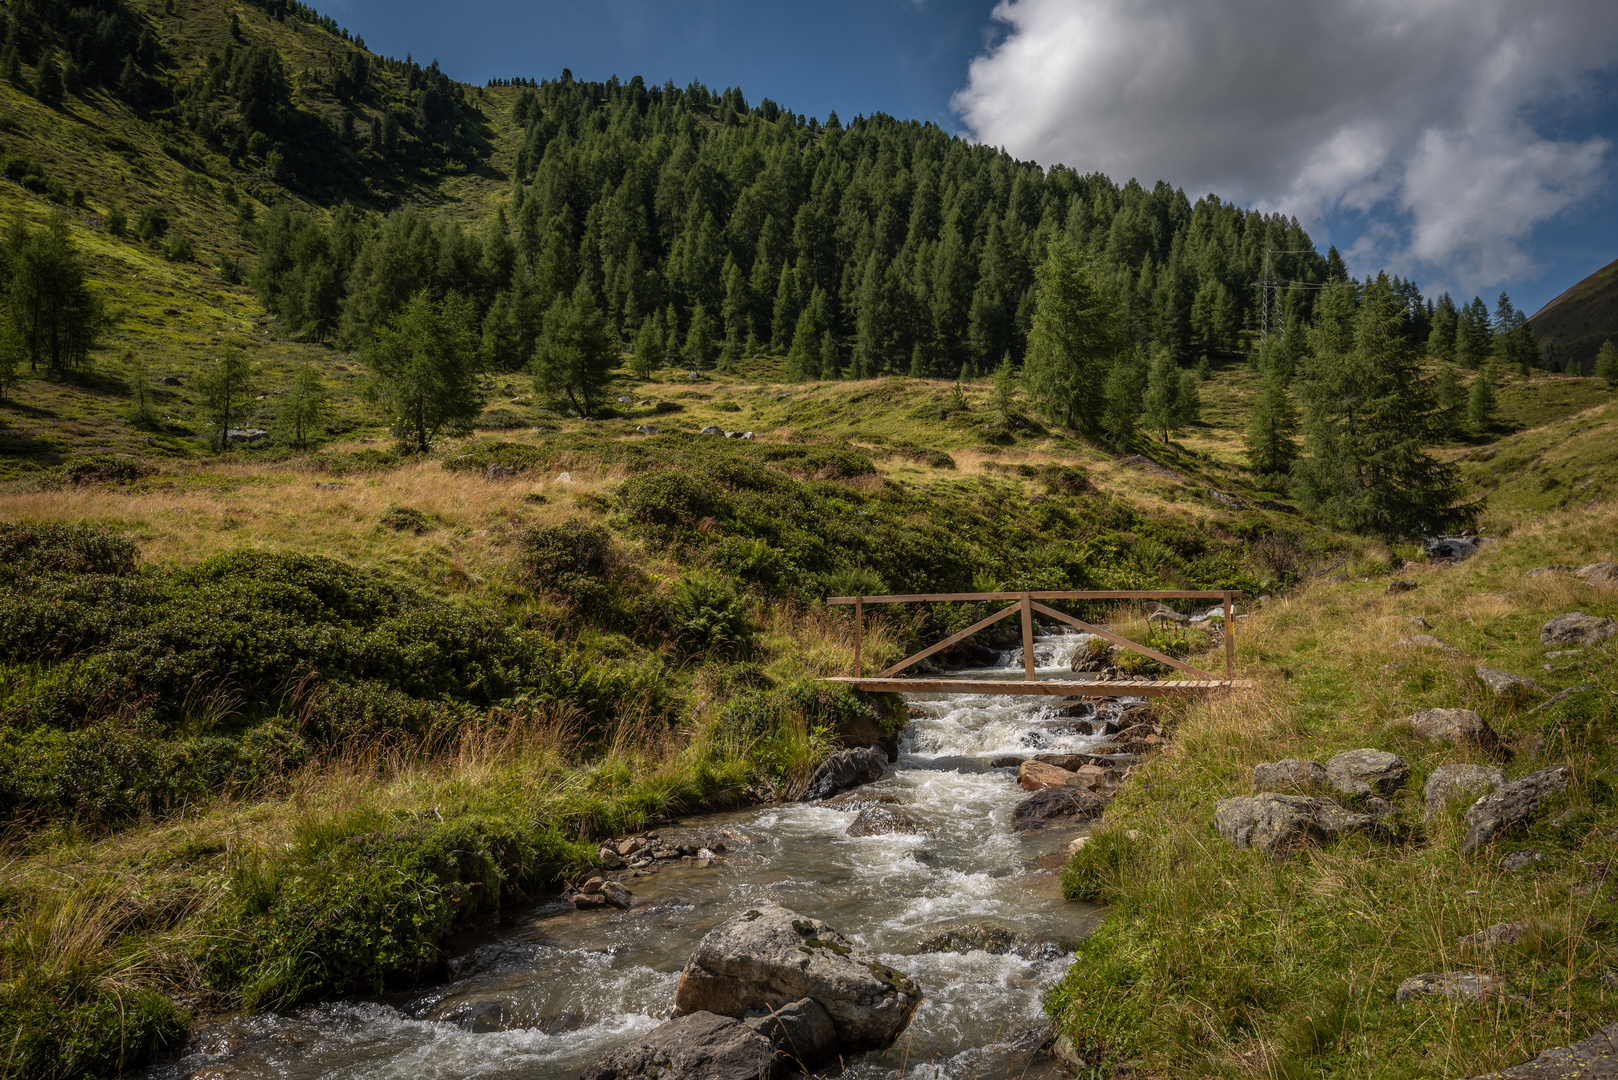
(550, 989)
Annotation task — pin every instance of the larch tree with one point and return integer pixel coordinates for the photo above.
(50, 305)
(1369, 413)
(226, 387)
(1073, 342)
(303, 406)
(424, 362)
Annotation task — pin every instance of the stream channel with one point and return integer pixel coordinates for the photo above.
(549, 989)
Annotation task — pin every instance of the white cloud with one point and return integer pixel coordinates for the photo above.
(1419, 113)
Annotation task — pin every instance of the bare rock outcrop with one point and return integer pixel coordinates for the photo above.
(1279, 824)
(1511, 804)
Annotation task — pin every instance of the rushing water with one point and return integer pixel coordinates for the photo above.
(550, 989)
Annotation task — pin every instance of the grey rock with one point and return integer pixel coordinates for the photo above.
(1503, 683)
(1288, 773)
(1367, 772)
(1425, 641)
(610, 859)
(769, 957)
(1592, 1058)
(712, 430)
(1452, 548)
(169, 380)
(1518, 860)
(1603, 574)
(697, 1046)
(1450, 984)
(985, 937)
(1403, 585)
(1561, 696)
(246, 436)
(1505, 933)
(846, 769)
(1056, 808)
(646, 429)
(1452, 783)
(1555, 568)
(1577, 628)
(616, 895)
(1462, 727)
(1007, 761)
(801, 1032)
(1510, 805)
(1278, 824)
(881, 820)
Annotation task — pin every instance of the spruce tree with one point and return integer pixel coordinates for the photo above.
(1441, 339)
(1073, 342)
(1368, 414)
(1606, 366)
(803, 358)
(424, 362)
(1272, 430)
(1481, 402)
(48, 86)
(831, 364)
(1121, 391)
(1451, 402)
(1005, 392)
(699, 338)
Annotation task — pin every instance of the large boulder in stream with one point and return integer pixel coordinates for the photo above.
(1056, 808)
(700, 1046)
(846, 769)
(770, 957)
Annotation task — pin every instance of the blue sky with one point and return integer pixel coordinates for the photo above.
(1465, 145)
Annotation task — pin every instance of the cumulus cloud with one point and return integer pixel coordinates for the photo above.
(1429, 117)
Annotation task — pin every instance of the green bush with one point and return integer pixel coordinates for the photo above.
(709, 614)
(68, 1026)
(65, 549)
(573, 561)
(408, 519)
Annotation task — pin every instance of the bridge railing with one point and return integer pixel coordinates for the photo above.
(1029, 602)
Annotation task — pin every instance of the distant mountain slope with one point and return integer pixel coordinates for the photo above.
(1572, 327)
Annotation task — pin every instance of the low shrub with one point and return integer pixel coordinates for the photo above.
(408, 519)
(65, 549)
(709, 614)
(69, 1025)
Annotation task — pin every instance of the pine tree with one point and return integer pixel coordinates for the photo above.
(1073, 341)
(303, 405)
(1480, 404)
(1606, 366)
(1368, 414)
(576, 352)
(226, 387)
(424, 362)
(1272, 430)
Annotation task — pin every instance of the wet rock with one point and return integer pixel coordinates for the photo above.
(1037, 776)
(881, 820)
(616, 895)
(1510, 805)
(1577, 628)
(1007, 761)
(1279, 824)
(583, 901)
(1056, 808)
(1403, 585)
(984, 937)
(1047, 950)
(769, 957)
(1367, 772)
(1425, 641)
(698, 1046)
(1594, 1058)
(846, 769)
(801, 1032)
(1457, 984)
(481, 1017)
(1452, 783)
(1518, 860)
(1092, 655)
(1462, 727)
(859, 800)
(1288, 773)
(1503, 683)
(1506, 933)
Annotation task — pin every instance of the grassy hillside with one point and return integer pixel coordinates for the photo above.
(1572, 327)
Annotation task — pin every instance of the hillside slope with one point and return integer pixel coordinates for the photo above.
(1572, 327)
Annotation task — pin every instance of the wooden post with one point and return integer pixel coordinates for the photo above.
(859, 621)
(1230, 640)
(1027, 638)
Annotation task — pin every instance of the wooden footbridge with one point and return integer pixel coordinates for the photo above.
(1026, 603)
